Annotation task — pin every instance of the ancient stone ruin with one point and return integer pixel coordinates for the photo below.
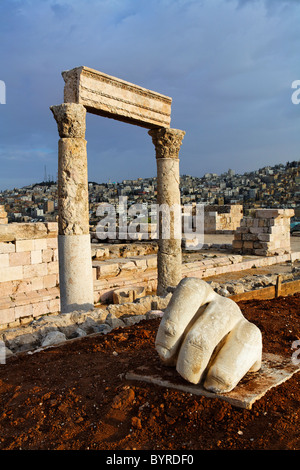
(87, 90)
(265, 233)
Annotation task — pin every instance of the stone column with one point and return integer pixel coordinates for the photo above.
(74, 246)
(167, 144)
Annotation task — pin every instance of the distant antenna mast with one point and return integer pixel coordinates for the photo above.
(45, 175)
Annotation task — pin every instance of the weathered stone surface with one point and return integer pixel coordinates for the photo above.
(140, 306)
(71, 120)
(121, 296)
(222, 218)
(167, 142)
(22, 231)
(113, 321)
(265, 233)
(23, 342)
(115, 98)
(53, 337)
(274, 371)
(73, 187)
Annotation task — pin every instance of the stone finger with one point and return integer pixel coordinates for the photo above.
(205, 336)
(185, 304)
(240, 353)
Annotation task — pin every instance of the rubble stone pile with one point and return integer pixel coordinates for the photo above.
(266, 233)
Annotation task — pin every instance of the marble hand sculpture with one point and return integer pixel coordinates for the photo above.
(207, 338)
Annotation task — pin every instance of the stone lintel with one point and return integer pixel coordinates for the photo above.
(112, 97)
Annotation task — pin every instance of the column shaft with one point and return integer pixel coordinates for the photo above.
(75, 261)
(167, 143)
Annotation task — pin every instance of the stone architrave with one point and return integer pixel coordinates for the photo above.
(167, 144)
(75, 260)
(115, 98)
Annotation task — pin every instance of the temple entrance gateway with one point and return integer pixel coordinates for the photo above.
(87, 90)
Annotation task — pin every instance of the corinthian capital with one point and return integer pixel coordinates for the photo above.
(70, 118)
(167, 142)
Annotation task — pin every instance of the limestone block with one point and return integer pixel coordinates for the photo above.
(242, 229)
(6, 288)
(52, 243)
(40, 244)
(266, 237)
(141, 263)
(52, 267)
(7, 315)
(102, 253)
(126, 265)
(36, 256)
(256, 230)
(22, 231)
(23, 311)
(24, 245)
(151, 261)
(36, 270)
(52, 227)
(115, 98)
(266, 213)
(106, 268)
(11, 273)
(50, 280)
(20, 259)
(48, 256)
(40, 308)
(37, 283)
(249, 237)
(121, 296)
(7, 247)
(4, 260)
(237, 244)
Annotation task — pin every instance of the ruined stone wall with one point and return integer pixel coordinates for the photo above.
(28, 271)
(220, 219)
(266, 233)
(29, 276)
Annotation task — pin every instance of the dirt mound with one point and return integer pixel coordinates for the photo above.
(76, 396)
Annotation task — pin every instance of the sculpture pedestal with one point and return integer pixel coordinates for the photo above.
(274, 371)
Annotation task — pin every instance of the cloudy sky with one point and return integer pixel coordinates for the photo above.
(227, 64)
